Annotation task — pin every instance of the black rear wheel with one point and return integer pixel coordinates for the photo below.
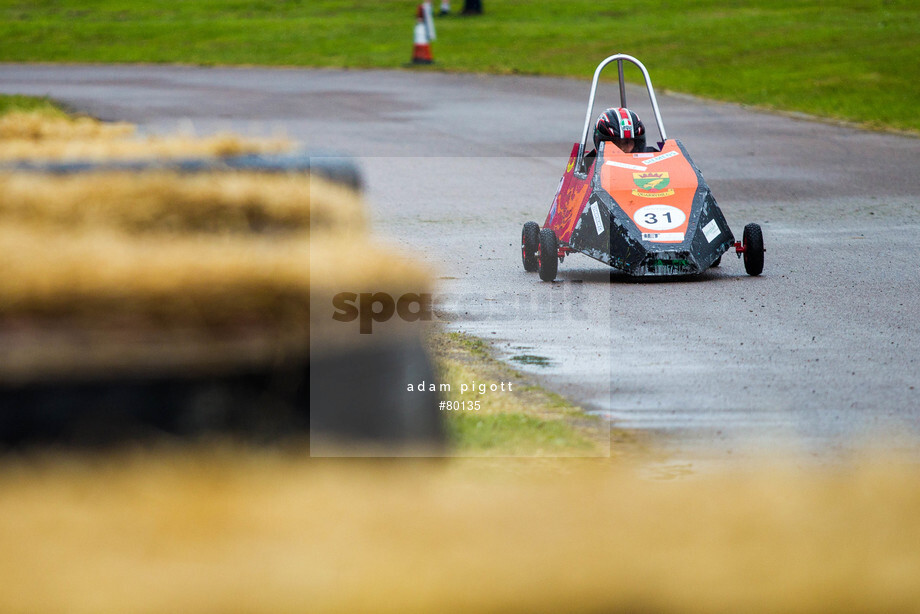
(752, 240)
(548, 254)
(530, 239)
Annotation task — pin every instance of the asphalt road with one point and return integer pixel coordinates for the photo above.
(821, 354)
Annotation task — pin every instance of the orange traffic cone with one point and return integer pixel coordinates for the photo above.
(421, 52)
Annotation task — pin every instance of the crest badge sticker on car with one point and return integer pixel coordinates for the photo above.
(652, 185)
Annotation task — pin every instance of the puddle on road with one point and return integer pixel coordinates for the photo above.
(532, 360)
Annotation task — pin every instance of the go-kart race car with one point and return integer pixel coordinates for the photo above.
(647, 213)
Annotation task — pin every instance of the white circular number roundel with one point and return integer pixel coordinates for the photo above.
(659, 217)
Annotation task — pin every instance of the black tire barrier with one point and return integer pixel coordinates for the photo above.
(361, 398)
(349, 401)
(336, 168)
(258, 405)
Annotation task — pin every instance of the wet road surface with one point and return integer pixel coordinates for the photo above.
(819, 354)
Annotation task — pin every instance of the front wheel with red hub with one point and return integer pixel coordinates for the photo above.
(548, 254)
(752, 242)
(530, 238)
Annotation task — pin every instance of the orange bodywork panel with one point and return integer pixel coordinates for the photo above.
(656, 190)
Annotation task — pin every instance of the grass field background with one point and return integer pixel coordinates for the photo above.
(856, 60)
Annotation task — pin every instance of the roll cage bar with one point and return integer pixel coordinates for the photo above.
(618, 58)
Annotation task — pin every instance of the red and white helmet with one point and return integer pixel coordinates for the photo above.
(618, 124)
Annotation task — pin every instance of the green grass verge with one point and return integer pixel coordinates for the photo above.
(526, 421)
(10, 103)
(853, 60)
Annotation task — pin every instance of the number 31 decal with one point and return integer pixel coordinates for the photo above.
(659, 217)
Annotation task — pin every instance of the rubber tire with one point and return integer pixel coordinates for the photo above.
(548, 254)
(752, 240)
(530, 243)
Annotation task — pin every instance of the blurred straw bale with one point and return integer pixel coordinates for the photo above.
(231, 530)
(205, 277)
(112, 148)
(37, 126)
(211, 202)
(157, 299)
(42, 137)
(207, 247)
(198, 277)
